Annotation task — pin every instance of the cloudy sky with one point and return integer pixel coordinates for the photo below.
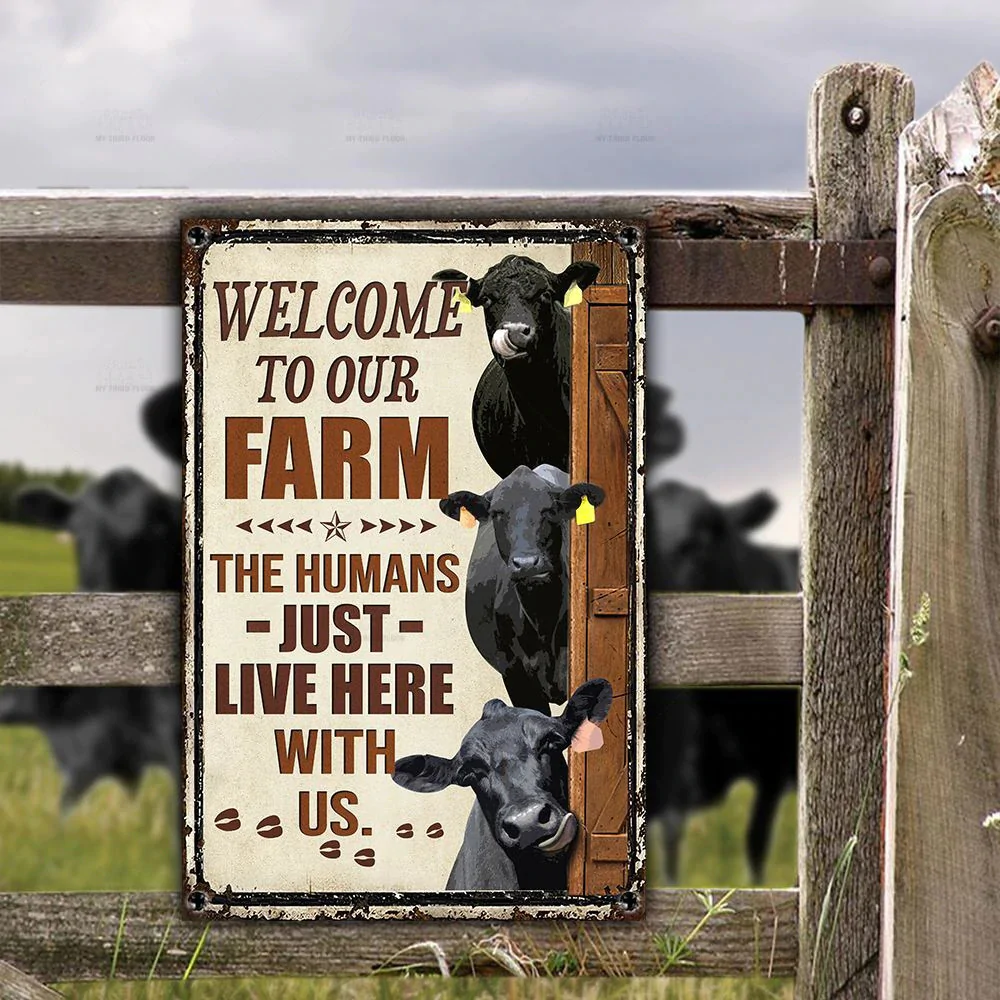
(271, 95)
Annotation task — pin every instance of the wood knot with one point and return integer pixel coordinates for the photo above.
(985, 332)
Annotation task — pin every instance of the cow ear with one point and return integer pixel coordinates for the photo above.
(591, 700)
(493, 707)
(664, 431)
(161, 420)
(451, 274)
(568, 501)
(752, 511)
(581, 273)
(477, 504)
(43, 505)
(424, 772)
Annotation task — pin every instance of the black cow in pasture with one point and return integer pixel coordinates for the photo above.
(520, 825)
(97, 732)
(517, 585)
(701, 740)
(162, 421)
(520, 410)
(127, 535)
(664, 430)
(694, 543)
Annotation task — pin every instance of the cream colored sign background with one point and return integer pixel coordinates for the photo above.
(239, 750)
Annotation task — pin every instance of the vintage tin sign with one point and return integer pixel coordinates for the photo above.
(413, 585)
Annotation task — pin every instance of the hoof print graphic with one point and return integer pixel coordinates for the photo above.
(365, 857)
(228, 820)
(270, 827)
(405, 831)
(330, 849)
(435, 830)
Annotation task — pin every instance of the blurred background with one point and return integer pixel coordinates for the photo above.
(415, 98)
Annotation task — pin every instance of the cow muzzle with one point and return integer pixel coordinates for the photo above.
(542, 826)
(512, 340)
(529, 570)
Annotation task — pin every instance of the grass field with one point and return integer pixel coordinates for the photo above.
(34, 561)
(115, 841)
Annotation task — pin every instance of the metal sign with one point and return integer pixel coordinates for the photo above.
(394, 556)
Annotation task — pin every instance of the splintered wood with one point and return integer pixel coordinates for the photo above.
(941, 908)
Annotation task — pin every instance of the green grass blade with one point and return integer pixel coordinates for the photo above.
(194, 957)
(118, 939)
(159, 951)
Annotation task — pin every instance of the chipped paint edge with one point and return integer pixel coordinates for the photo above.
(588, 908)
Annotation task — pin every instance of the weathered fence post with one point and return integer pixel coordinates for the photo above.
(941, 918)
(857, 114)
(15, 985)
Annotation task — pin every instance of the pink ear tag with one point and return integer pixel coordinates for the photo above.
(588, 736)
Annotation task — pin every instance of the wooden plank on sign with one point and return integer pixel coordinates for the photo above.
(942, 856)
(856, 116)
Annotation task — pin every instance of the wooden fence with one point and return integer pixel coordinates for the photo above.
(829, 255)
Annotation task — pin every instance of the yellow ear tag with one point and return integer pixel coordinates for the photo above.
(585, 512)
(464, 305)
(573, 296)
(465, 519)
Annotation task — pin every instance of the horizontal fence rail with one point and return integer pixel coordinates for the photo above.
(60, 937)
(104, 639)
(79, 214)
(727, 252)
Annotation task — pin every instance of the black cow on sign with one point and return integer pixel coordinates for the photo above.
(520, 410)
(520, 825)
(127, 535)
(517, 586)
(701, 740)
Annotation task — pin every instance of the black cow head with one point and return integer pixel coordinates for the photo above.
(664, 430)
(696, 544)
(513, 760)
(127, 532)
(528, 512)
(161, 420)
(522, 302)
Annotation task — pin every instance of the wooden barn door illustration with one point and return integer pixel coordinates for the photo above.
(601, 568)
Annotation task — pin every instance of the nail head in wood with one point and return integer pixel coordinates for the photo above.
(855, 117)
(197, 236)
(628, 237)
(986, 332)
(880, 270)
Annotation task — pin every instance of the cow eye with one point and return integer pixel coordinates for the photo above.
(552, 743)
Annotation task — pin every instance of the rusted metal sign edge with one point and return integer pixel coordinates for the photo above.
(345, 900)
(785, 274)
